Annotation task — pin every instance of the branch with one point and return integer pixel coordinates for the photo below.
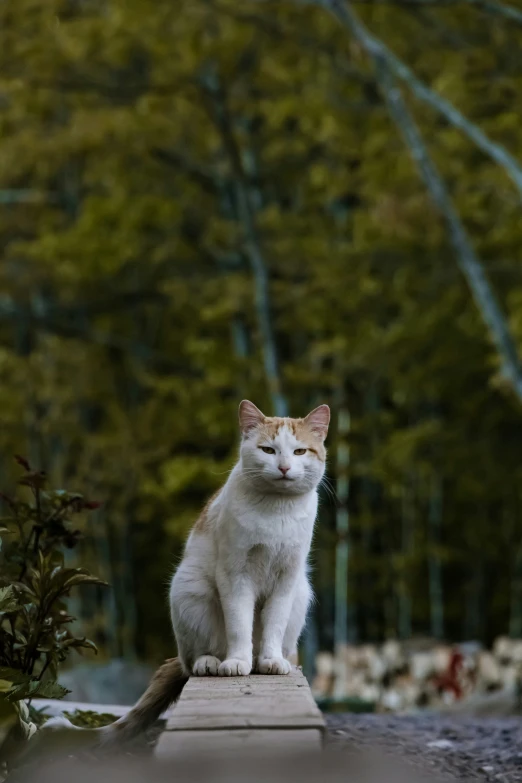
(377, 49)
(499, 9)
(467, 259)
(490, 6)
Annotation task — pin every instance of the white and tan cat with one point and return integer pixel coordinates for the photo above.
(240, 595)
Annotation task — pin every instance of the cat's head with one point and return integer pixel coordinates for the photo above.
(283, 455)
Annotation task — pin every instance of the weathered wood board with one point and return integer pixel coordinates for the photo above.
(235, 714)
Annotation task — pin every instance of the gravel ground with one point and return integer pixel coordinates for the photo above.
(443, 748)
(360, 749)
(422, 748)
(486, 749)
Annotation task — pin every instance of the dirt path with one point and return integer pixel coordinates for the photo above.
(486, 749)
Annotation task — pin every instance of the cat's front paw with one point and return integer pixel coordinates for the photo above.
(273, 666)
(206, 666)
(234, 667)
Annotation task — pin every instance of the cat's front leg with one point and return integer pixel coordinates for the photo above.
(237, 600)
(274, 620)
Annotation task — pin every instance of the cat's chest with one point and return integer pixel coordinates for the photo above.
(266, 565)
(264, 561)
(274, 529)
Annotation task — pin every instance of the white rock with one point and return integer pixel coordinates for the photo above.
(442, 744)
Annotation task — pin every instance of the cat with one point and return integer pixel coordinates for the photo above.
(241, 593)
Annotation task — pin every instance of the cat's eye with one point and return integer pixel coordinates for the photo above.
(300, 452)
(267, 449)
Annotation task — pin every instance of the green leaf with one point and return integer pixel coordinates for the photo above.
(14, 676)
(7, 712)
(51, 690)
(23, 691)
(28, 729)
(86, 579)
(35, 688)
(86, 644)
(23, 710)
(8, 599)
(88, 719)
(63, 579)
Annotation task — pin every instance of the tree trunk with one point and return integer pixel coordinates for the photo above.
(246, 204)
(387, 68)
(407, 526)
(515, 614)
(344, 622)
(474, 620)
(434, 564)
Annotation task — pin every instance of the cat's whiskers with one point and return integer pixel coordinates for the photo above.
(328, 486)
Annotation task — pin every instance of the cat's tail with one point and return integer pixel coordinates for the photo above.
(164, 689)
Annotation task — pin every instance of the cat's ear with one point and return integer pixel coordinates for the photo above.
(318, 421)
(250, 417)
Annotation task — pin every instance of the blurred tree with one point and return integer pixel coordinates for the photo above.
(200, 202)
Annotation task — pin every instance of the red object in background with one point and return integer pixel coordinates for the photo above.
(90, 505)
(450, 682)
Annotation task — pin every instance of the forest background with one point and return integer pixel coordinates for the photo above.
(209, 200)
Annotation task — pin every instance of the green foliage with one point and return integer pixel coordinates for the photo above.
(87, 719)
(128, 326)
(35, 637)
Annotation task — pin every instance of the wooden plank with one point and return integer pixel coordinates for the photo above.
(233, 713)
(198, 744)
(257, 701)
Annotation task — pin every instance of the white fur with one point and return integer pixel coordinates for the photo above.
(240, 595)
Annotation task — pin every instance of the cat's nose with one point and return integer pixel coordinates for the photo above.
(284, 469)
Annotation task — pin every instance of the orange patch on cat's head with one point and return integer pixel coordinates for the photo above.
(311, 430)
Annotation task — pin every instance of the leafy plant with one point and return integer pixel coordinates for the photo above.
(35, 636)
(88, 719)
